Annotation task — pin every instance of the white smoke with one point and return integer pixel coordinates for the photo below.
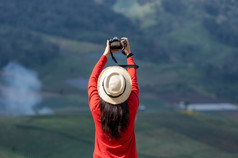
(20, 93)
(45, 111)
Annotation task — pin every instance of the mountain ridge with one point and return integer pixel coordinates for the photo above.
(180, 43)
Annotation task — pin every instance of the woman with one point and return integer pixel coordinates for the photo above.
(114, 101)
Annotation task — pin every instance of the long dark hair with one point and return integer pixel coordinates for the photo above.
(114, 118)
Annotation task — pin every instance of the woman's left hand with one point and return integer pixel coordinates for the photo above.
(107, 50)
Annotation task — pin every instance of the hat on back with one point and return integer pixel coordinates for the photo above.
(114, 85)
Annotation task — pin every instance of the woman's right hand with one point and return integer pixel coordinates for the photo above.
(127, 48)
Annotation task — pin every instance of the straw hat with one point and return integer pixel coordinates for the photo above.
(114, 85)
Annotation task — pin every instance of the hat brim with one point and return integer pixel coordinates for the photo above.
(122, 98)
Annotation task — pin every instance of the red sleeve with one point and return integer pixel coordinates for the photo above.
(133, 74)
(93, 97)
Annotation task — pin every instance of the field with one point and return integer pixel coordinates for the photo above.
(159, 135)
(186, 51)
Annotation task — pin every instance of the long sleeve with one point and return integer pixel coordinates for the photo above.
(133, 74)
(93, 97)
(133, 100)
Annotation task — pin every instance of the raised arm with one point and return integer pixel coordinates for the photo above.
(133, 74)
(131, 71)
(93, 97)
(92, 83)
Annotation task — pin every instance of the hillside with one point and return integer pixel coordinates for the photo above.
(72, 19)
(187, 51)
(189, 136)
(189, 47)
(198, 36)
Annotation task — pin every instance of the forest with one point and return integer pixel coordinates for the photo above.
(201, 34)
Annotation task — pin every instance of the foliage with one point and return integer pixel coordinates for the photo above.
(222, 22)
(20, 45)
(173, 7)
(174, 33)
(76, 19)
(143, 2)
(201, 33)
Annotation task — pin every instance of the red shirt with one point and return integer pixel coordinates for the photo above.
(124, 147)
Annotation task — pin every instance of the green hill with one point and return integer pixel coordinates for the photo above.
(193, 135)
(189, 47)
(76, 19)
(9, 154)
(186, 50)
(199, 36)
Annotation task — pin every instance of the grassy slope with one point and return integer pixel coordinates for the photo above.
(165, 135)
(72, 63)
(167, 78)
(77, 60)
(185, 30)
(9, 154)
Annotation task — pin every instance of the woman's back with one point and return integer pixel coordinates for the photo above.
(105, 146)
